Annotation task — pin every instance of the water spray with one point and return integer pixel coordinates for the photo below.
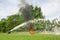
(26, 23)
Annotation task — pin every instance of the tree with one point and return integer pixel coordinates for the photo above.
(36, 12)
(3, 25)
(13, 21)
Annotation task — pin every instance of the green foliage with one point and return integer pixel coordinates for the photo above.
(36, 12)
(3, 25)
(10, 22)
(13, 21)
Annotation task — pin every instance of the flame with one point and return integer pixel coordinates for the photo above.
(31, 31)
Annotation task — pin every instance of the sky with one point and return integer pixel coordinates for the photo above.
(50, 8)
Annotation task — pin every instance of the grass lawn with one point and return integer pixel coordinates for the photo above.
(27, 36)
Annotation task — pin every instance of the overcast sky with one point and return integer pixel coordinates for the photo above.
(50, 8)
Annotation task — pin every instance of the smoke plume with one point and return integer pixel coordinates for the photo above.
(26, 11)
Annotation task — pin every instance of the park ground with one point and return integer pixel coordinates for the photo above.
(27, 36)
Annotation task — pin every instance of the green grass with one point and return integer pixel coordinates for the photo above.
(27, 36)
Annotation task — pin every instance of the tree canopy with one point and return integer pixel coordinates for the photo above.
(16, 19)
